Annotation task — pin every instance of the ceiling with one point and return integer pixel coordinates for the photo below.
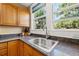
(26, 4)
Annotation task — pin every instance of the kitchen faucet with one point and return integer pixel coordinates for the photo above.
(46, 33)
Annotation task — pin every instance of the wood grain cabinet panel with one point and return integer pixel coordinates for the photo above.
(23, 17)
(30, 51)
(27, 50)
(3, 49)
(12, 15)
(3, 52)
(20, 48)
(3, 45)
(37, 53)
(9, 14)
(0, 13)
(13, 48)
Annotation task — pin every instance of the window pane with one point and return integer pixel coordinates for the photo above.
(39, 15)
(66, 15)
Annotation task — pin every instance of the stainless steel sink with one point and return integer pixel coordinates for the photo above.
(44, 44)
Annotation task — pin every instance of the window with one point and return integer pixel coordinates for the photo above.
(39, 16)
(66, 15)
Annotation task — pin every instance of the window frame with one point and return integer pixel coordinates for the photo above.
(39, 17)
(61, 28)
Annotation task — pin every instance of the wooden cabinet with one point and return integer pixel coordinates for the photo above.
(3, 52)
(12, 48)
(23, 17)
(37, 53)
(0, 13)
(12, 15)
(20, 48)
(30, 51)
(27, 50)
(9, 14)
(3, 49)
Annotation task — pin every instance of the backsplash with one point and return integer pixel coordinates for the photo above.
(10, 30)
(6, 36)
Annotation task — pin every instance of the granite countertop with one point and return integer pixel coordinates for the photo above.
(26, 40)
(62, 49)
(67, 49)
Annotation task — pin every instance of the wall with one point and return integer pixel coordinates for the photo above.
(9, 30)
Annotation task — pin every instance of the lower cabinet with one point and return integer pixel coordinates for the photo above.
(12, 48)
(27, 50)
(18, 48)
(30, 51)
(3, 49)
(37, 53)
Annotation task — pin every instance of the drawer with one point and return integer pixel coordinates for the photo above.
(4, 55)
(13, 41)
(3, 45)
(3, 52)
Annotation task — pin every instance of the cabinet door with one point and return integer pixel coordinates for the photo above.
(9, 14)
(0, 13)
(30, 51)
(37, 53)
(13, 48)
(20, 48)
(27, 50)
(3, 52)
(3, 45)
(3, 49)
(23, 17)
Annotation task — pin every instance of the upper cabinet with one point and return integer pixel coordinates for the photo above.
(0, 13)
(13, 15)
(23, 17)
(9, 14)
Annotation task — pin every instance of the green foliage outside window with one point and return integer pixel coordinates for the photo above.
(40, 23)
(39, 13)
(67, 24)
(69, 18)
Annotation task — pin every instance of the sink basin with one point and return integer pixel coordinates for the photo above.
(44, 44)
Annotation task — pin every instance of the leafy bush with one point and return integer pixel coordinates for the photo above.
(39, 13)
(67, 23)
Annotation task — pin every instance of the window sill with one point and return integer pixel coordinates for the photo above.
(65, 29)
(68, 33)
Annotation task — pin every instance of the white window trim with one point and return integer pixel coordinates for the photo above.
(64, 29)
(69, 33)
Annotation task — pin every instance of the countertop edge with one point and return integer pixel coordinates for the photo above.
(26, 41)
